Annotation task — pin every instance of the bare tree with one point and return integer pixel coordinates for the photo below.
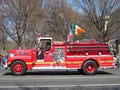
(101, 13)
(60, 18)
(35, 25)
(3, 35)
(17, 14)
(3, 39)
(24, 20)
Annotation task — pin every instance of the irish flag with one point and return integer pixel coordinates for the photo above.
(77, 30)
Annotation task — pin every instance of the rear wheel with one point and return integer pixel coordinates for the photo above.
(18, 68)
(90, 68)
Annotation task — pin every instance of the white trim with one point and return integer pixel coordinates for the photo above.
(40, 60)
(108, 67)
(44, 38)
(74, 56)
(57, 67)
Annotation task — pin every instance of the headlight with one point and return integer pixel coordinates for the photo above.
(11, 55)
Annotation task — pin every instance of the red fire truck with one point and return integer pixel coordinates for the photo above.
(85, 56)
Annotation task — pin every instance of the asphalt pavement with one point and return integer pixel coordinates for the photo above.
(61, 80)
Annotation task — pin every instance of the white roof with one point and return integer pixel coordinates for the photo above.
(44, 38)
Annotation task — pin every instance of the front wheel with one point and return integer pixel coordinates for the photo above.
(18, 68)
(90, 68)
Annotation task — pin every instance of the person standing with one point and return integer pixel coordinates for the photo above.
(4, 61)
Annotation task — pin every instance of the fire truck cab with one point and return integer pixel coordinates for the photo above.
(86, 56)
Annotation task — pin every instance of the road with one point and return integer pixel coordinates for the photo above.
(62, 78)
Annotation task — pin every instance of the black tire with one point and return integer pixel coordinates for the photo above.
(18, 68)
(89, 68)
